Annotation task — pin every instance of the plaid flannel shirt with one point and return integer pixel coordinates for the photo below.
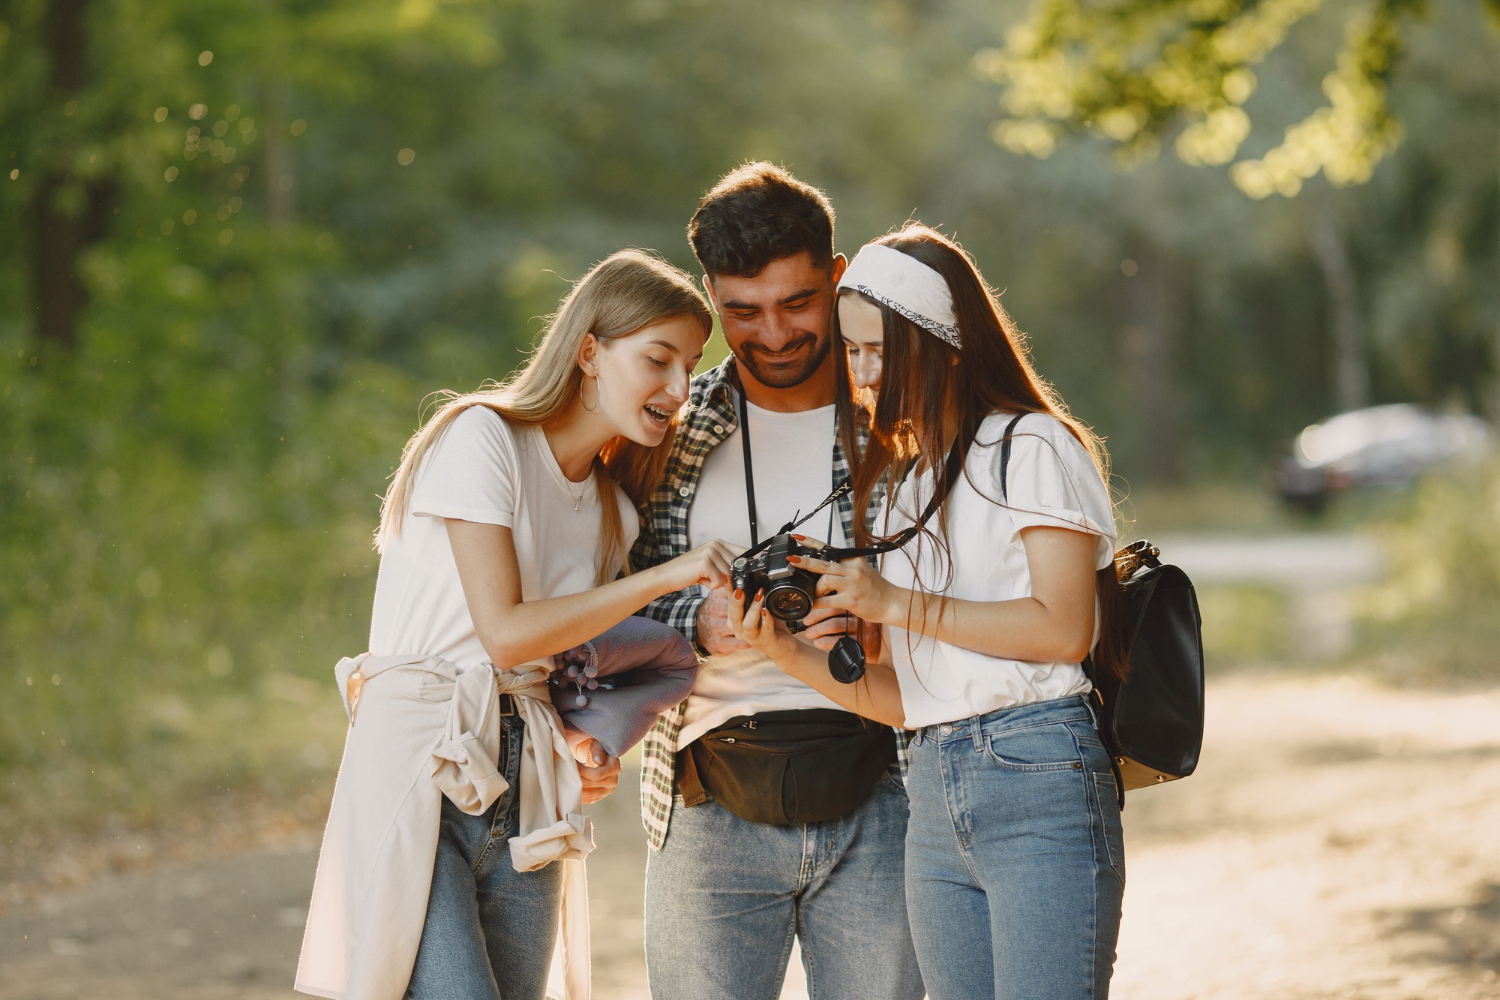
(710, 418)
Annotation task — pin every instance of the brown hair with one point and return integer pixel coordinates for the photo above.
(621, 294)
(926, 401)
(756, 214)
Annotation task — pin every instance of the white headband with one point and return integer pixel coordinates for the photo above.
(905, 284)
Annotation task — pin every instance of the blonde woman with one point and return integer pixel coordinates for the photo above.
(502, 541)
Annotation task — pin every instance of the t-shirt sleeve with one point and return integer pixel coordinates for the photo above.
(1052, 483)
(470, 472)
(630, 523)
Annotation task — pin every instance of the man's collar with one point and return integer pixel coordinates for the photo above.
(714, 383)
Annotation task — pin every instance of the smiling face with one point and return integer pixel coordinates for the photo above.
(776, 322)
(862, 326)
(642, 378)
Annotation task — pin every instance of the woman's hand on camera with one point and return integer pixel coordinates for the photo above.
(826, 626)
(756, 628)
(708, 565)
(853, 586)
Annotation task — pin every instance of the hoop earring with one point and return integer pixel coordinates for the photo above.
(581, 401)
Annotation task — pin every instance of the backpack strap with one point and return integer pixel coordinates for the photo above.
(1096, 704)
(1005, 451)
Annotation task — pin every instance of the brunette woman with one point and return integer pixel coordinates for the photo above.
(1014, 863)
(456, 822)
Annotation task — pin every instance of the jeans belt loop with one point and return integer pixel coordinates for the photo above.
(978, 740)
(1088, 703)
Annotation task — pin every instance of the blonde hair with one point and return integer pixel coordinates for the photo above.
(620, 295)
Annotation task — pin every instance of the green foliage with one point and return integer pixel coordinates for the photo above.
(1132, 72)
(1438, 612)
(1244, 625)
(315, 215)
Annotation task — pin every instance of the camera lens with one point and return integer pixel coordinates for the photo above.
(789, 603)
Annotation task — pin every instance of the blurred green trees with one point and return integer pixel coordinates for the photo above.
(1434, 616)
(1133, 72)
(245, 238)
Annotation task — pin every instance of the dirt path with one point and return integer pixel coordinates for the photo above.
(1340, 840)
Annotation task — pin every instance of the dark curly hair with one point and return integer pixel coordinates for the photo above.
(756, 214)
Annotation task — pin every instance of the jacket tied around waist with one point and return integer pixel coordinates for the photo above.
(421, 728)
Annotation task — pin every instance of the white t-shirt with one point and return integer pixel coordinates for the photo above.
(483, 468)
(793, 463)
(1051, 482)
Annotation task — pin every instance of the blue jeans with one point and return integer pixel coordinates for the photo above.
(490, 929)
(1015, 864)
(725, 897)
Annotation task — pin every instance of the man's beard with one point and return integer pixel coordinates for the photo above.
(783, 376)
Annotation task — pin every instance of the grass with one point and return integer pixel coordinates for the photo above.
(1244, 625)
(1205, 508)
(1248, 508)
(1436, 618)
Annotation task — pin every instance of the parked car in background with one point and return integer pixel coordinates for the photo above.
(1377, 446)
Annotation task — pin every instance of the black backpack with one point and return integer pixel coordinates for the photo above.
(1152, 721)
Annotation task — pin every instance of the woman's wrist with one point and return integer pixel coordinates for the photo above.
(784, 651)
(896, 608)
(653, 582)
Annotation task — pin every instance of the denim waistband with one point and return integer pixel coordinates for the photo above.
(1075, 708)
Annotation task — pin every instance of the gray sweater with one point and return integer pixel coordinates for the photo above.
(614, 686)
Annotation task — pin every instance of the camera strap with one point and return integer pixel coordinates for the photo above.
(951, 469)
(755, 546)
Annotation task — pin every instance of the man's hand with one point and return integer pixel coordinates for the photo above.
(600, 772)
(714, 632)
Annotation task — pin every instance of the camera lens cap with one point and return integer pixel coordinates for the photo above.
(846, 661)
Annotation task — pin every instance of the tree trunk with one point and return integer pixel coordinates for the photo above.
(63, 227)
(1495, 359)
(1351, 375)
(277, 159)
(1149, 336)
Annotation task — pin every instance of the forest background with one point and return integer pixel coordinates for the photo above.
(243, 240)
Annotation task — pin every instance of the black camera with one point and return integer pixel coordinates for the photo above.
(790, 592)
